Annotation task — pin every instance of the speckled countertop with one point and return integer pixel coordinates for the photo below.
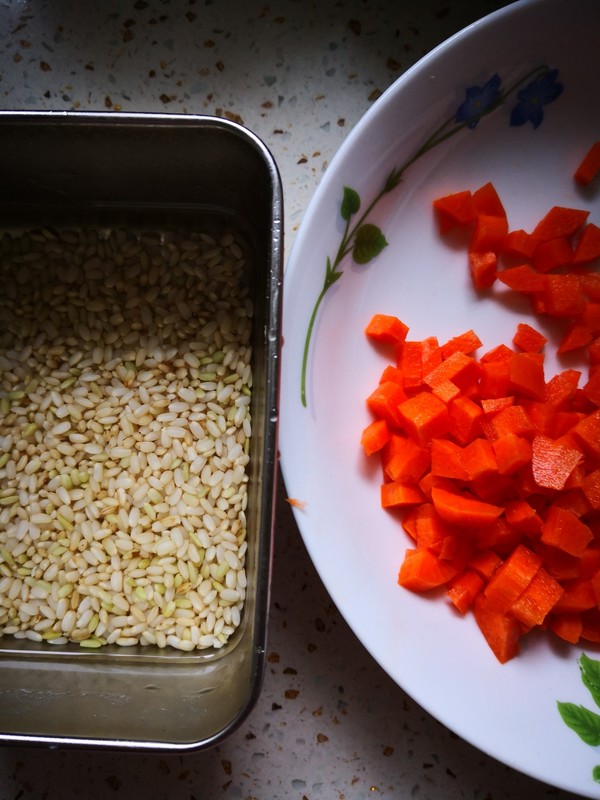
(299, 73)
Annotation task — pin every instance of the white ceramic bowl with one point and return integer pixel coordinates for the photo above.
(440, 659)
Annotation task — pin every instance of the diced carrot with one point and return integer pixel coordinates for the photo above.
(587, 248)
(483, 266)
(542, 415)
(564, 422)
(590, 620)
(518, 244)
(454, 210)
(430, 531)
(494, 405)
(431, 354)
(499, 353)
(550, 419)
(424, 417)
(528, 339)
(447, 459)
(591, 489)
(479, 459)
(458, 367)
(414, 359)
(462, 509)
(395, 494)
(590, 316)
(384, 402)
(488, 234)
(446, 391)
(573, 482)
(429, 481)
(502, 633)
(581, 330)
(551, 254)
(491, 487)
(523, 517)
(375, 436)
(464, 588)
(566, 626)
(560, 424)
(577, 335)
(560, 221)
(563, 296)
(562, 387)
(403, 459)
(387, 329)
(467, 343)
(485, 562)
(527, 375)
(562, 529)
(513, 419)
(591, 285)
(594, 352)
(511, 578)
(410, 363)
(391, 373)
(538, 599)
(456, 549)
(587, 431)
(578, 596)
(562, 566)
(595, 581)
(465, 416)
(512, 453)
(409, 519)
(494, 381)
(538, 301)
(592, 388)
(486, 200)
(589, 166)
(589, 564)
(523, 278)
(421, 571)
(496, 470)
(552, 462)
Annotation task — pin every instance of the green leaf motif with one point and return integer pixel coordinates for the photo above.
(596, 773)
(585, 723)
(331, 275)
(350, 203)
(368, 243)
(590, 675)
(393, 179)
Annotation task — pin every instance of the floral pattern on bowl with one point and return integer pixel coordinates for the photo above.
(364, 240)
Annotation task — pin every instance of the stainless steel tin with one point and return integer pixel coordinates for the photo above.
(80, 168)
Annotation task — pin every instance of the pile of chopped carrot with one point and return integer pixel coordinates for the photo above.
(494, 466)
(551, 265)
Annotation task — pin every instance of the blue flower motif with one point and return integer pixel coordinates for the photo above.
(543, 90)
(479, 99)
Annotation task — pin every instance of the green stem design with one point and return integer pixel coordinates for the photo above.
(331, 275)
(444, 132)
(584, 722)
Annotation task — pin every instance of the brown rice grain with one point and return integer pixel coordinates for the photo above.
(116, 412)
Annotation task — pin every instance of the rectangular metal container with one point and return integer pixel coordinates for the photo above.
(88, 168)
